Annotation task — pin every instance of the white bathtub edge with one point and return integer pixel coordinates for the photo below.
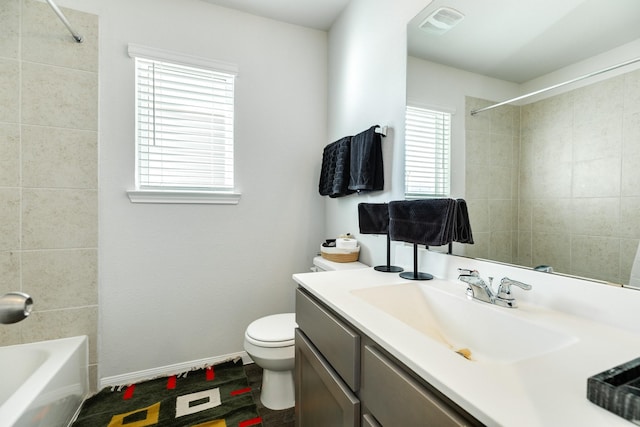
(35, 389)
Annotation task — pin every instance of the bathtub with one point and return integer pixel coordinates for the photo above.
(43, 383)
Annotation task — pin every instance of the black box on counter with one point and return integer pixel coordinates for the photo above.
(618, 390)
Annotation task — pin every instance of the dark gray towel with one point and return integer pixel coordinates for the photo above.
(334, 173)
(373, 218)
(462, 231)
(426, 222)
(366, 161)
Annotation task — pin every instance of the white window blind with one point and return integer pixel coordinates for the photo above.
(427, 147)
(184, 127)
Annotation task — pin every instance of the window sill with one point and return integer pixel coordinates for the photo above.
(183, 197)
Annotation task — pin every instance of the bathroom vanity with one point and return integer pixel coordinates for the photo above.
(374, 349)
(357, 381)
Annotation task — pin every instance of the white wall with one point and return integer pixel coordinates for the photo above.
(367, 83)
(182, 282)
(438, 86)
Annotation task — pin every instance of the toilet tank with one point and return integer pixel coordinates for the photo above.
(322, 264)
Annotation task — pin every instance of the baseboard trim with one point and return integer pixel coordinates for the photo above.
(162, 371)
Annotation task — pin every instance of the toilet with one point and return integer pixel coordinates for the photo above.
(269, 341)
(270, 344)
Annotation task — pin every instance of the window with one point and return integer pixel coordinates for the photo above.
(184, 111)
(427, 146)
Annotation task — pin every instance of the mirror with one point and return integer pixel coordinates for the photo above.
(552, 179)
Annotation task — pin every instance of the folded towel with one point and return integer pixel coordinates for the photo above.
(427, 222)
(334, 173)
(462, 229)
(366, 161)
(373, 218)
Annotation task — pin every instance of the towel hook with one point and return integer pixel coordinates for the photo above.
(382, 130)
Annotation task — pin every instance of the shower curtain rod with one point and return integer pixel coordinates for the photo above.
(586, 76)
(63, 18)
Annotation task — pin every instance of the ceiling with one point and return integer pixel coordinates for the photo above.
(521, 40)
(318, 14)
(513, 40)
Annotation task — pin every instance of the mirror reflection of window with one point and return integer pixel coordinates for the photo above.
(427, 149)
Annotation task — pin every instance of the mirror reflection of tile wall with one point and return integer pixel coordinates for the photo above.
(491, 181)
(578, 191)
(49, 172)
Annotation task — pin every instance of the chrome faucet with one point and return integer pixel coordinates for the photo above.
(14, 307)
(478, 289)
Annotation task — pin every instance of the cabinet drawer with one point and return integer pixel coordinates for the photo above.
(369, 421)
(322, 398)
(396, 399)
(338, 343)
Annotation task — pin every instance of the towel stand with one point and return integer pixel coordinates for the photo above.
(416, 274)
(388, 268)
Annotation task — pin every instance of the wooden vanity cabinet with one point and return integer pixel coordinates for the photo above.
(343, 378)
(393, 397)
(327, 367)
(322, 398)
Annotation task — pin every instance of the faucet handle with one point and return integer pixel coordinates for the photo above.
(467, 272)
(504, 296)
(506, 283)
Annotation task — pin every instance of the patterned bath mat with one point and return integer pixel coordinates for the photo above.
(217, 396)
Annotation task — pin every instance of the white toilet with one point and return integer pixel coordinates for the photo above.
(269, 341)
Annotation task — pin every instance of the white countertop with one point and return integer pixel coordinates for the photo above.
(546, 390)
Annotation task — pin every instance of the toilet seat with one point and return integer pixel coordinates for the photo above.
(276, 330)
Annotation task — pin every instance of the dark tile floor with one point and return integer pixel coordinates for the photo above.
(270, 418)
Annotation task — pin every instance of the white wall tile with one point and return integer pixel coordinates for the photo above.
(595, 216)
(597, 139)
(632, 92)
(629, 212)
(480, 247)
(60, 279)
(9, 219)
(500, 181)
(54, 324)
(578, 154)
(599, 257)
(9, 28)
(551, 215)
(60, 97)
(9, 90)
(552, 249)
(597, 178)
(524, 255)
(54, 219)
(61, 158)
(9, 271)
(628, 249)
(46, 40)
(9, 155)
(478, 215)
(500, 248)
(595, 102)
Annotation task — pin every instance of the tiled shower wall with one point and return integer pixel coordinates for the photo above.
(582, 151)
(576, 200)
(49, 171)
(492, 149)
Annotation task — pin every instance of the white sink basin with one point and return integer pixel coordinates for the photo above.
(489, 332)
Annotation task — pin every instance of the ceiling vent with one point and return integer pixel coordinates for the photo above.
(441, 21)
